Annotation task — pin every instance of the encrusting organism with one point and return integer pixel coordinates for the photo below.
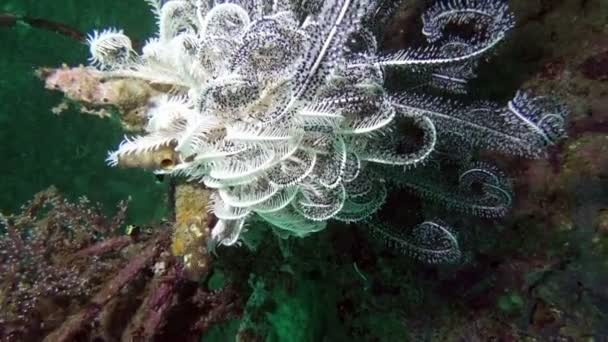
(97, 96)
(69, 273)
(282, 108)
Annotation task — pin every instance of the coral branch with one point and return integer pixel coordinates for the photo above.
(110, 245)
(219, 306)
(131, 270)
(77, 323)
(151, 315)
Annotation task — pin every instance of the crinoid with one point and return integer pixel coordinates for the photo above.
(281, 107)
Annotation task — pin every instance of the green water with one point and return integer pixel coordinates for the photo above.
(41, 149)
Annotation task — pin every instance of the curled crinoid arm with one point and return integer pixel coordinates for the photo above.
(359, 205)
(226, 232)
(195, 133)
(278, 201)
(525, 127)
(175, 17)
(243, 165)
(330, 164)
(387, 146)
(250, 194)
(318, 203)
(110, 49)
(455, 77)
(494, 15)
(169, 114)
(488, 185)
(352, 167)
(293, 169)
(288, 220)
(542, 118)
(365, 115)
(224, 211)
(432, 242)
(329, 30)
(380, 14)
(225, 20)
(320, 115)
(481, 189)
(271, 47)
(490, 19)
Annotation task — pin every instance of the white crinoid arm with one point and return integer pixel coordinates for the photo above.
(525, 127)
(364, 197)
(156, 6)
(175, 17)
(433, 242)
(110, 49)
(139, 145)
(491, 19)
(326, 32)
(226, 232)
(482, 189)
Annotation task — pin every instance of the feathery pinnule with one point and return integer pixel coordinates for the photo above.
(282, 108)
